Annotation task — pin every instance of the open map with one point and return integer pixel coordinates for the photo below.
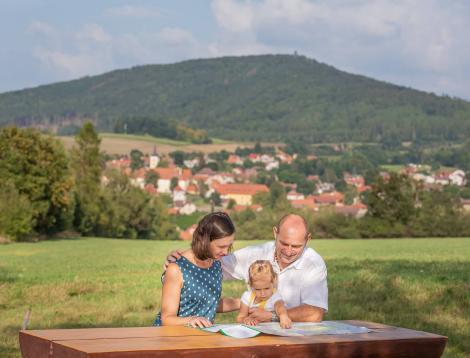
(298, 329)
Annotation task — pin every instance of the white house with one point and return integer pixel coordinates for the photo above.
(457, 177)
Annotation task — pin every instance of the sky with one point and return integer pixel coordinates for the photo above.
(423, 44)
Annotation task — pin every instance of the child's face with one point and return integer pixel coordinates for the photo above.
(263, 288)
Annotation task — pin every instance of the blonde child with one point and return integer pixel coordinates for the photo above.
(263, 283)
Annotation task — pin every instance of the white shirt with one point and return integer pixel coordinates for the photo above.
(269, 306)
(302, 282)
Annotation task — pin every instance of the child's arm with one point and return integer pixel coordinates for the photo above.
(243, 316)
(228, 304)
(281, 311)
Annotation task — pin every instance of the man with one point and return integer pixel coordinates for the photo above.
(302, 274)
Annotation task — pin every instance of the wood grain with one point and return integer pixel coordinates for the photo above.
(385, 341)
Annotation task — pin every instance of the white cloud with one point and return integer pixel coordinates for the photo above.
(94, 33)
(134, 11)
(175, 36)
(41, 28)
(402, 41)
(71, 65)
(233, 15)
(90, 49)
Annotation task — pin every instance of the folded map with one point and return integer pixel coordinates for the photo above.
(298, 329)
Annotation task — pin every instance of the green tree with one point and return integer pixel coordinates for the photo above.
(178, 157)
(129, 212)
(215, 199)
(151, 177)
(350, 194)
(258, 149)
(37, 166)
(277, 194)
(173, 183)
(87, 166)
(394, 200)
(137, 160)
(17, 214)
(231, 204)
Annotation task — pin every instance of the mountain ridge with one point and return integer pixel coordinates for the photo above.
(265, 97)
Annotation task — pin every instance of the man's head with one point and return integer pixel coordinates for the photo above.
(291, 235)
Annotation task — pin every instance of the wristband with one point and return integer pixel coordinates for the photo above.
(274, 317)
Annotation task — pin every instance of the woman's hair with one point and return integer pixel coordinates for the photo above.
(213, 226)
(261, 269)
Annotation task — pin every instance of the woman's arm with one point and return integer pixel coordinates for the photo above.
(281, 311)
(171, 299)
(228, 304)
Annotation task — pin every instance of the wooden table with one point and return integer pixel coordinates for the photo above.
(146, 342)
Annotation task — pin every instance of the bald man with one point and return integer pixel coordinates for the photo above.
(302, 275)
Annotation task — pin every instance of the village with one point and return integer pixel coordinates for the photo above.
(188, 190)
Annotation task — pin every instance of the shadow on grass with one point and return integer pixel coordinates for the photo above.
(410, 294)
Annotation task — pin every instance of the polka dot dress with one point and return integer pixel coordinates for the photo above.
(201, 290)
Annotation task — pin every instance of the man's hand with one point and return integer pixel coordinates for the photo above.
(259, 314)
(285, 321)
(172, 257)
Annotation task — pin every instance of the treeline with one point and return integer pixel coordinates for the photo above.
(159, 127)
(44, 191)
(398, 207)
(266, 98)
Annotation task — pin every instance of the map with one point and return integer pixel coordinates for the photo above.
(298, 329)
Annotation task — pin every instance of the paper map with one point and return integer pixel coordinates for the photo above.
(298, 329)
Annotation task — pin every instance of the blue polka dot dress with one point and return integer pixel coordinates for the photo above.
(201, 290)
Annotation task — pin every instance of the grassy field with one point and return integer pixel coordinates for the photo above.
(113, 143)
(415, 283)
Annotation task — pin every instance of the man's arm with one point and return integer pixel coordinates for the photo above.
(306, 313)
(302, 313)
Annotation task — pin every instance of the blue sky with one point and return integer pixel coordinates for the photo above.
(422, 44)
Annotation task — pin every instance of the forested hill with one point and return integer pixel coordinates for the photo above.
(269, 97)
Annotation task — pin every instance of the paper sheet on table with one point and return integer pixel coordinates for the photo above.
(298, 329)
(233, 330)
(310, 329)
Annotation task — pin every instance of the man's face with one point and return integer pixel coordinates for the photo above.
(290, 243)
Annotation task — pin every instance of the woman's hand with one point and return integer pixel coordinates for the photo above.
(250, 321)
(199, 322)
(285, 321)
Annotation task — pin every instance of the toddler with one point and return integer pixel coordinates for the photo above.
(262, 294)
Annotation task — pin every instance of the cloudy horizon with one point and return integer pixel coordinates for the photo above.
(418, 44)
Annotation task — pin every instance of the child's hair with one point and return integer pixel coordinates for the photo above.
(212, 227)
(261, 269)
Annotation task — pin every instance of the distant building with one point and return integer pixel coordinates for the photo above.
(154, 158)
(241, 193)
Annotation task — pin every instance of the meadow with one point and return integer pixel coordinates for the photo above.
(122, 144)
(421, 284)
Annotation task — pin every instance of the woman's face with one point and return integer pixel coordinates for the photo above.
(221, 247)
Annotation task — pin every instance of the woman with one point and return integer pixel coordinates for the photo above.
(193, 284)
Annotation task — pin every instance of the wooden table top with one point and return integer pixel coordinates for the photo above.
(146, 342)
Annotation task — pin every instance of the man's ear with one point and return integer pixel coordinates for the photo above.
(275, 232)
(309, 237)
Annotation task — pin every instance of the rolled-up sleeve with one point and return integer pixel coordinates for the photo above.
(314, 289)
(235, 266)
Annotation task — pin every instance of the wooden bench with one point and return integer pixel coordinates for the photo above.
(146, 342)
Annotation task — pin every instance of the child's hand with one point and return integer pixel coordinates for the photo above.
(285, 321)
(250, 321)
